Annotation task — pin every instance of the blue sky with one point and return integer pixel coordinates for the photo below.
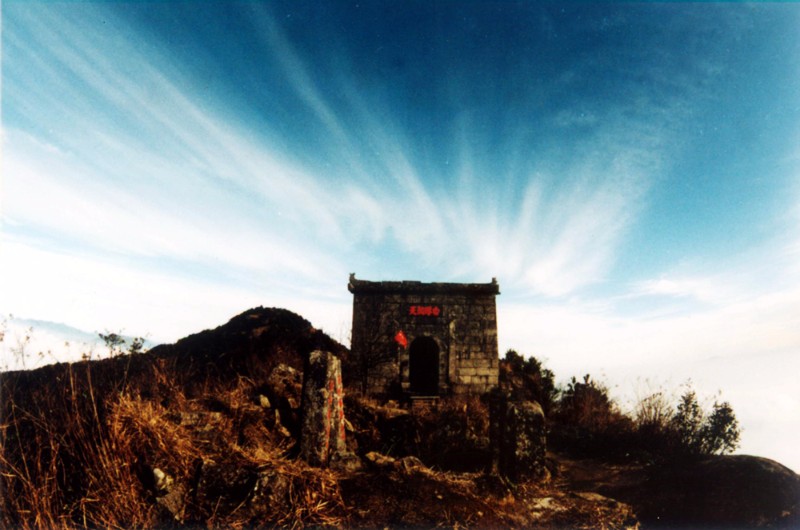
(629, 172)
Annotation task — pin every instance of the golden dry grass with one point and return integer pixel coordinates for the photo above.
(75, 457)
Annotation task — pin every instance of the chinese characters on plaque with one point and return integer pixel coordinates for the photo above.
(424, 310)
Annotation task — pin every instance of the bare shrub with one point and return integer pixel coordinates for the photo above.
(587, 404)
(653, 412)
(668, 431)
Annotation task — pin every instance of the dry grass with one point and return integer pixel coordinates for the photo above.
(79, 445)
(71, 460)
(81, 454)
(72, 455)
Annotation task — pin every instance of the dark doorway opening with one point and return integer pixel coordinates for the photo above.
(423, 367)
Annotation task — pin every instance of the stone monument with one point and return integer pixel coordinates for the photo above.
(322, 438)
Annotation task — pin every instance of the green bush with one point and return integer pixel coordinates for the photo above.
(528, 379)
(705, 434)
(586, 421)
(688, 422)
(583, 419)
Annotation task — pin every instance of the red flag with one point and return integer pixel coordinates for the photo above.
(401, 339)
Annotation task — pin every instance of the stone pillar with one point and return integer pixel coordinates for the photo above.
(322, 435)
(518, 436)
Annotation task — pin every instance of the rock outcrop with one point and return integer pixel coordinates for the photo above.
(518, 438)
(731, 491)
(724, 491)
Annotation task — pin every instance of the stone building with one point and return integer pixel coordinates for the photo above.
(424, 339)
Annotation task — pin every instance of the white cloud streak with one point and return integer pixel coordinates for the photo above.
(559, 243)
(199, 187)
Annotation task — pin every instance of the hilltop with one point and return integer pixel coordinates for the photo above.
(204, 432)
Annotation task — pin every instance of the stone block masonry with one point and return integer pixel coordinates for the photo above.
(424, 339)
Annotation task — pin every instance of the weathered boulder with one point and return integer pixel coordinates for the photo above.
(322, 436)
(345, 461)
(517, 432)
(410, 464)
(231, 486)
(223, 486)
(406, 464)
(271, 492)
(172, 504)
(285, 386)
(723, 491)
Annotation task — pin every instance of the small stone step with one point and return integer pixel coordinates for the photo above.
(422, 403)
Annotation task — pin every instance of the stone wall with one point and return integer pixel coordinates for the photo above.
(425, 338)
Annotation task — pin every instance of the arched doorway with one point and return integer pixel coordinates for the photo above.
(423, 366)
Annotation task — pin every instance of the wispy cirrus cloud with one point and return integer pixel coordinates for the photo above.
(142, 163)
(203, 188)
(560, 241)
(197, 187)
(98, 293)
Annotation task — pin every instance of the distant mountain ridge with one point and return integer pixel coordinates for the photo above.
(46, 342)
(68, 332)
